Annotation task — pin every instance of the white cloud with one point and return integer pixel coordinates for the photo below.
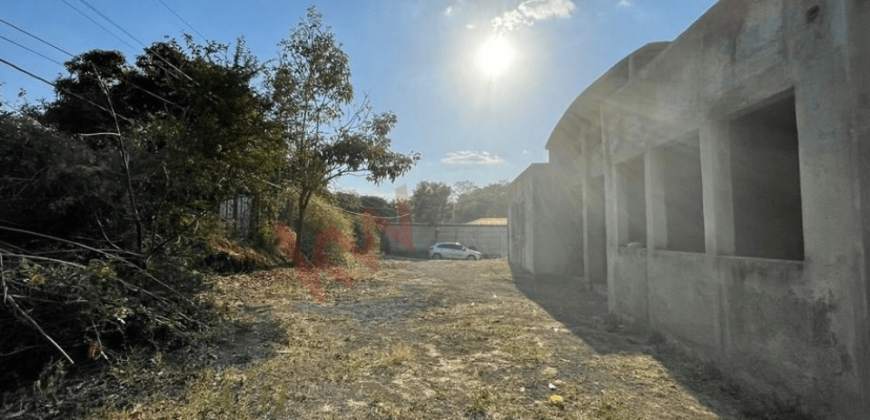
(468, 157)
(625, 4)
(530, 11)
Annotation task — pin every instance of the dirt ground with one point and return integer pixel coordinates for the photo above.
(415, 340)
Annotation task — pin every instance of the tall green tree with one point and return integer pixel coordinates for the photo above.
(81, 102)
(430, 202)
(474, 202)
(379, 206)
(184, 127)
(218, 142)
(327, 137)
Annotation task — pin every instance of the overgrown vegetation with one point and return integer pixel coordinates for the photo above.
(79, 311)
(110, 194)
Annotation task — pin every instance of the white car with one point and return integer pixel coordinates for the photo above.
(453, 250)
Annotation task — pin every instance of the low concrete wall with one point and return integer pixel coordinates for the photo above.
(756, 318)
(627, 293)
(491, 240)
(683, 299)
(778, 335)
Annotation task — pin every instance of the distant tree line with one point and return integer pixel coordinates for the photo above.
(438, 202)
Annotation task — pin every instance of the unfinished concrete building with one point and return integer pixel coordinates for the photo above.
(722, 196)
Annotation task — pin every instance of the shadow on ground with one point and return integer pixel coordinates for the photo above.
(584, 312)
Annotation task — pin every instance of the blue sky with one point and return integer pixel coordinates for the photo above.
(417, 58)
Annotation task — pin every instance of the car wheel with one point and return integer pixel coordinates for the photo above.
(436, 256)
(471, 258)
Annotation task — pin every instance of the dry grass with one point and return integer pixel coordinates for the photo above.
(428, 340)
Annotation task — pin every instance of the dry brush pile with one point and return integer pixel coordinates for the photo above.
(74, 303)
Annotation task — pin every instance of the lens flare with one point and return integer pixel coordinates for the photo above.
(495, 56)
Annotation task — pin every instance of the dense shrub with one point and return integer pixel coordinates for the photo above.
(84, 309)
(54, 183)
(74, 282)
(323, 215)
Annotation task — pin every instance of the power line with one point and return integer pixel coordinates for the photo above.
(182, 19)
(95, 10)
(38, 38)
(98, 24)
(136, 39)
(210, 95)
(119, 38)
(71, 55)
(31, 50)
(26, 72)
(64, 90)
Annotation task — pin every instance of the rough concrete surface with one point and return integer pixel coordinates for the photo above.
(766, 101)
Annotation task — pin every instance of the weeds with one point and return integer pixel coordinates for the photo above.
(611, 406)
(398, 355)
(482, 400)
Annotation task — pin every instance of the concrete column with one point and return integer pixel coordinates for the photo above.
(612, 215)
(656, 217)
(620, 185)
(858, 12)
(718, 218)
(716, 179)
(584, 205)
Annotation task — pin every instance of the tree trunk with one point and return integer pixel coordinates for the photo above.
(300, 223)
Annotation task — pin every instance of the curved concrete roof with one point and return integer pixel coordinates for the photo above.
(585, 106)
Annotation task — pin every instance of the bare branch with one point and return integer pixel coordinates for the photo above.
(18, 351)
(26, 316)
(100, 251)
(38, 258)
(66, 241)
(126, 159)
(3, 280)
(99, 134)
(103, 231)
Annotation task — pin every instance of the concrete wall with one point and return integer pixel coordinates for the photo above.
(762, 267)
(786, 327)
(546, 223)
(520, 227)
(491, 240)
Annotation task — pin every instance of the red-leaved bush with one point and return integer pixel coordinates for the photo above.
(285, 237)
(309, 271)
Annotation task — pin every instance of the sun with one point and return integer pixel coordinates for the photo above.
(495, 56)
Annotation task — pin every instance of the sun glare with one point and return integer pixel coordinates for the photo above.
(495, 56)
